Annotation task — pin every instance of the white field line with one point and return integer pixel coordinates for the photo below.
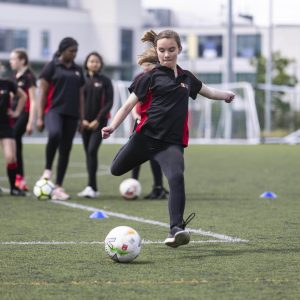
(199, 231)
(144, 242)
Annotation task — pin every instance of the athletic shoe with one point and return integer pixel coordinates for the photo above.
(59, 194)
(18, 180)
(17, 192)
(88, 192)
(178, 236)
(158, 192)
(22, 185)
(47, 174)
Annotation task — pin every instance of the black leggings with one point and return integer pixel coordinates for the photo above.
(156, 172)
(19, 130)
(91, 141)
(61, 131)
(141, 148)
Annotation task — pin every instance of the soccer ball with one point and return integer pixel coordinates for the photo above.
(130, 189)
(123, 244)
(43, 189)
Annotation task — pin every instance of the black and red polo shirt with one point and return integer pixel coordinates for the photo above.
(25, 82)
(65, 83)
(164, 100)
(98, 97)
(6, 88)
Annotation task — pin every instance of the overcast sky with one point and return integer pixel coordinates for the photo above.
(284, 11)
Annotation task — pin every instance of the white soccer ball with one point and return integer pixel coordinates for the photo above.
(130, 189)
(43, 189)
(123, 244)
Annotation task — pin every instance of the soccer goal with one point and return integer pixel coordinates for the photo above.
(210, 122)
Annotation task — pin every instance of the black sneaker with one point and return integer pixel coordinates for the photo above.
(178, 236)
(158, 192)
(17, 192)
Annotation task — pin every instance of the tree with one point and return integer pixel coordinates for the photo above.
(280, 108)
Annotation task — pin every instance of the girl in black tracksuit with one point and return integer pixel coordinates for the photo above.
(24, 123)
(98, 100)
(7, 141)
(163, 132)
(61, 101)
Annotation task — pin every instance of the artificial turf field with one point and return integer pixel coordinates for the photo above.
(243, 247)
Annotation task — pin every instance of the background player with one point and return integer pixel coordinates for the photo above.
(98, 100)
(61, 99)
(148, 60)
(24, 123)
(7, 141)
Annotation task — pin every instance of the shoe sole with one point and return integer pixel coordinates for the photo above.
(180, 238)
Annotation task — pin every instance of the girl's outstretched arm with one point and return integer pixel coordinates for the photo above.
(120, 115)
(215, 94)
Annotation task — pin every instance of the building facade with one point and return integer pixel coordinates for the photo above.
(114, 28)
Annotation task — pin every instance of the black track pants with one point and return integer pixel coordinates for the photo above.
(61, 131)
(141, 148)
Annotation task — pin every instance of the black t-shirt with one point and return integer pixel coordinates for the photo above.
(65, 83)
(6, 88)
(25, 82)
(98, 97)
(166, 99)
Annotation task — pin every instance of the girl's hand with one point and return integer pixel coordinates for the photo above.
(85, 124)
(40, 124)
(94, 125)
(13, 113)
(107, 131)
(229, 96)
(29, 128)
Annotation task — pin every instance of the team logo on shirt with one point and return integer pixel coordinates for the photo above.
(97, 84)
(77, 73)
(3, 92)
(20, 83)
(184, 85)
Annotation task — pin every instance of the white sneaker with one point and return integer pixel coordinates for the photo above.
(88, 192)
(47, 174)
(59, 194)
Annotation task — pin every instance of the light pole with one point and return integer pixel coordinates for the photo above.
(230, 43)
(268, 94)
(229, 71)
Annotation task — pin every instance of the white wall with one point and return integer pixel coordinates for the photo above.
(95, 24)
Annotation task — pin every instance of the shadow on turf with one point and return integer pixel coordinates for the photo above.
(137, 262)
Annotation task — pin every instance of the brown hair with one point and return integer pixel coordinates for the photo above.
(151, 37)
(22, 54)
(149, 55)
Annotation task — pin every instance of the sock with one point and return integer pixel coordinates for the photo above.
(11, 170)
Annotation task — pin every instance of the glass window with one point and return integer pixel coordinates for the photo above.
(248, 45)
(210, 46)
(59, 3)
(20, 38)
(126, 45)
(45, 51)
(10, 39)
